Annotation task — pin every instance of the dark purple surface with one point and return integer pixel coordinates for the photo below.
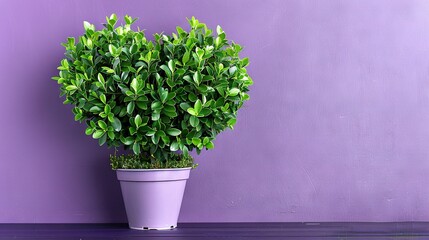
(206, 231)
(337, 128)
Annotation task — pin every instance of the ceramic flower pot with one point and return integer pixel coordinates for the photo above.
(153, 197)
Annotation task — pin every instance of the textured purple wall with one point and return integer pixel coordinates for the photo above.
(337, 128)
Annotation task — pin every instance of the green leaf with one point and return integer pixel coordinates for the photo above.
(209, 145)
(171, 65)
(148, 56)
(155, 116)
(103, 98)
(208, 78)
(171, 96)
(128, 19)
(127, 141)
(65, 64)
(101, 79)
(130, 107)
(187, 78)
(108, 70)
(150, 133)
(112, 50)
(140, 64)
(155, 139)
(205, 112)
(192, 97)
(87, 26)
(225, 108)
(102, 140)
(133, 49)
(89, 131)
(136, 148)
(89, 43)
(220, 66)
(102, 124)
(138, 120)
(164, 95)
(157, 105)
(141, 105)
(129, 93)
(185, 106)
(119, 30)
(71, 41)
(232, 70)
(98, 134)
(107, 109)
(173, 132)
(111, 135)
(231, 122)
(218, 41)
(246, 97)
(134, 85)
(200, 52)
(113, 17)
(219, 30)
(233, 92)
(165, 139)
(110, 117)
(244, 62)
(194, 121)
(132, 130)
(185, 151)
(192, 112)
(166, 70)
(117, 125)
(196, 141)
(197, 77)
(95, 109)
(71, 87)
(198, 106)
(161, 133)
(170, 114)
(185, 57)
(169, 108)
(174, 146)
(180, 30)
(77, 117)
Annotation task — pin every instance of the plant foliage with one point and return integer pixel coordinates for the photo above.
(161, 97)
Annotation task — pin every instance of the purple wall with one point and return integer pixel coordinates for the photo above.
(337, 128)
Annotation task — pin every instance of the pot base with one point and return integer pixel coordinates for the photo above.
(148, 228)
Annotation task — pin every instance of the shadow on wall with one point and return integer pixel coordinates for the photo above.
(84, 166)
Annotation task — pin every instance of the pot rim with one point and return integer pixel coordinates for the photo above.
(152, 169)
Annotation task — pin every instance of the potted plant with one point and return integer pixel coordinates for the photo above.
(160, 99)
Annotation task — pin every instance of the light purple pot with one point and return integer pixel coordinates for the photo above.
(153, 197)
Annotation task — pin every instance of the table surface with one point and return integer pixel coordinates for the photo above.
(208, 231)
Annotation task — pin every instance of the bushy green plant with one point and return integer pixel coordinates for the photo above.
(159, 98)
